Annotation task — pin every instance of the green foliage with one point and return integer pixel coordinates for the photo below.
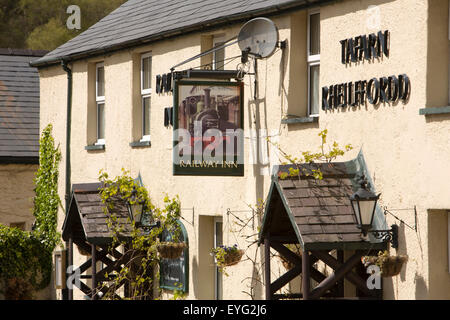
(141, 269)
(223, 254)
(26, 257)
(42, 24)
(46, 200)
(310, 157)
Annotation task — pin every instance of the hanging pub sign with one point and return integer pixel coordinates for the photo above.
(208, 128)
(383, 89)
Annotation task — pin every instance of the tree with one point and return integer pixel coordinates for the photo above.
(41, 24)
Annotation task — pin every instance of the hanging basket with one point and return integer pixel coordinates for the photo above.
(390, 266)
(232, 257)
(171, 250)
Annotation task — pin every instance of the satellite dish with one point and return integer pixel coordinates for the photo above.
(259, 37)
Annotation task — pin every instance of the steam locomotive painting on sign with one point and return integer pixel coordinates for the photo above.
(208, 128)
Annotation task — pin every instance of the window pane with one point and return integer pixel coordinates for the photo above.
(314, 72)
(314, 34)
(100, 121)
(146, 115)
(146, 73)
(100, 82)
(219, 57)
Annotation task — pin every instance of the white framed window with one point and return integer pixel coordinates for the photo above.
(146, 92)
(100, 102)
(313, 61)
(218, 55)
(218, 241)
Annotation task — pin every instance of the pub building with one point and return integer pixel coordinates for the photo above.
(158, 89)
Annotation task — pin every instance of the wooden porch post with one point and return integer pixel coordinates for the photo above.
(70, 265)
(267, 267)
(94, 271)
(306, 278)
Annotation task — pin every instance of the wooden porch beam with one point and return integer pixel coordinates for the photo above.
(339, 274)
(306, 280)
(286, 253)
(285, 278)
(351, 276)
(297, 260)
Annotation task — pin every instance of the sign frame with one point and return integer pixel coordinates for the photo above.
(223, 169)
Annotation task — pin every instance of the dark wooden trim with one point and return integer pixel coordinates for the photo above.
(286, 253)
(340, 273)
(284, 279)
(351, 276)
(19, 160)
(278, 296)
(340, 290)
(94, 271)
(70, 264)
(361, 245)
(295, 259)
(306, 280)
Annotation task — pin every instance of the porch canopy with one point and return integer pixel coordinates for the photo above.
(87, 226)
(317, 215)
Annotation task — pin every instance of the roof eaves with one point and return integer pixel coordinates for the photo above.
(204, 25)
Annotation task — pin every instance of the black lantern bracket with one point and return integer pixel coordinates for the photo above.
(390, 235)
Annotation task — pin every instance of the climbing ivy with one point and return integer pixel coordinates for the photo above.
(140, 270)
(26, 256)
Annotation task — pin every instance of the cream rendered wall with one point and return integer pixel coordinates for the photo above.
(406, 153)
(17, 192)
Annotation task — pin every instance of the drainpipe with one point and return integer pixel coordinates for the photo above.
(68, 293)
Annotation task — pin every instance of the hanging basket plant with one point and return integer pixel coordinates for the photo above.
(227, 256)
(171, 250)
(390, 266)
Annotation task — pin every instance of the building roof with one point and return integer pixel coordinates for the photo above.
(142, 21)
(87, 220)
(317, 213)
(19, 106)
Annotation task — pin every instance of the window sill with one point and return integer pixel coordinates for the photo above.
(300, 120)
(95, 147)
(433, 111)
(140, 144)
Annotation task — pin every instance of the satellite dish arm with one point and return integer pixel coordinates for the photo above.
(204, 53)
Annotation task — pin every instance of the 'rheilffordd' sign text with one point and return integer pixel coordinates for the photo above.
(375, 90)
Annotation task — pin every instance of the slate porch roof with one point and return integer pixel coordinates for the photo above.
(87, 221)
(138, 22)
(19, 106)
(317, 213)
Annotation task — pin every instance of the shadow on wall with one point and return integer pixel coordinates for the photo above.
(194, 274)
(421, 287)
(438, 260)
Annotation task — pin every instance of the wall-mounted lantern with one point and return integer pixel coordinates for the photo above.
(364, 203)
(140, 213)
(60, 269)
